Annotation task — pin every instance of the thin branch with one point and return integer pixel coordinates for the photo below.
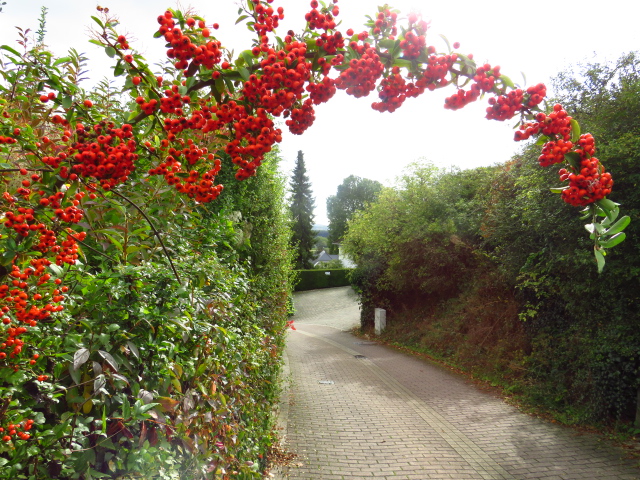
(155, 231)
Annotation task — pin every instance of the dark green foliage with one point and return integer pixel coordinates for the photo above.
(301, 207)
(353, 195)
(430, 251)
(406, 249)
(314, 279)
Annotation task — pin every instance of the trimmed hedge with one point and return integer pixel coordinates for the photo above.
(314, 279)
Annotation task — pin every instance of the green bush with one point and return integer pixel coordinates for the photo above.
(568, 335)
(314, 279)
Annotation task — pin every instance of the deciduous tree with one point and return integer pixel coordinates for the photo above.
(352, 196)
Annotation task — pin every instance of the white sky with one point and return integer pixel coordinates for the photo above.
(349, 137)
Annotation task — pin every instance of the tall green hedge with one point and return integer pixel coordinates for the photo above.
(315, 279)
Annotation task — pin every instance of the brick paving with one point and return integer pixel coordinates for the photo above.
(357, 410)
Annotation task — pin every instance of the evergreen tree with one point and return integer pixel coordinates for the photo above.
(302, 204)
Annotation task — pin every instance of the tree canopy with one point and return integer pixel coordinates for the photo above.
(353, 195)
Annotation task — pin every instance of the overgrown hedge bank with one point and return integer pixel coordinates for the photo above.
(492, 272)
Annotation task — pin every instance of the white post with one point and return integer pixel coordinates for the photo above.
(380, 320)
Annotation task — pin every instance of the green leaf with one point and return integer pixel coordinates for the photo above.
(98, 21)
(114, 241)
(75, 374)
(244, 73)
(446, 41)
(248, 57)
(611, 216)
(109, 359)
(389, 44)
(618, 226)
(573, 159)
(126, 408)
(401, 62)
(118, 69)
(613, 241)
(506, 81)
(575, 131)
(99, 382)
(558, 189)
(66, 102)
(104, 419)
(147, 407)
(605, 203)
(61, 60)
(599, 259)
(80, 357)
(240, 19)
(9, 49)
(110, 51)
(133, 349)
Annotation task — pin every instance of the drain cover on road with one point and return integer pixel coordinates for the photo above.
(326, 382)
(359, 356)
(365, 344)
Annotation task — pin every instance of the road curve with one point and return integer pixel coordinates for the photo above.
(358, 410)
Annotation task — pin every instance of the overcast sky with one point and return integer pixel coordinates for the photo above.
(349, 138)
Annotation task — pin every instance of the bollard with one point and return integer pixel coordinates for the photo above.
(380, 320)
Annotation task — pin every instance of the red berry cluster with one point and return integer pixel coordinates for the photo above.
(199, 186)
(187, 54)
(505, 107)
(485, 77)
(122, 42)
(7, 140)
(323, 91)
(590, 184)
(385, 23)
(484, 80)
(282, 83)
(301, 118)
(266, 19)
(173, 102)
(360, 78)
(462, 98)
(413, 44)
(392, 92)
(554, 151)
(109, 158)
(321, 20)
(16, 429)
(436, 70)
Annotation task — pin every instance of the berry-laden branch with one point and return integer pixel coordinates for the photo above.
(205, 104)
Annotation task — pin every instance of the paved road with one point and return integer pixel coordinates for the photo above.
(357, 410)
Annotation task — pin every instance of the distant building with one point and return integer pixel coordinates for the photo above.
(325, 258)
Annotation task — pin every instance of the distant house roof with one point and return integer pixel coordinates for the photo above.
(325, 257)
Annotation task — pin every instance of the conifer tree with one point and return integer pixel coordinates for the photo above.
(302, 204)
